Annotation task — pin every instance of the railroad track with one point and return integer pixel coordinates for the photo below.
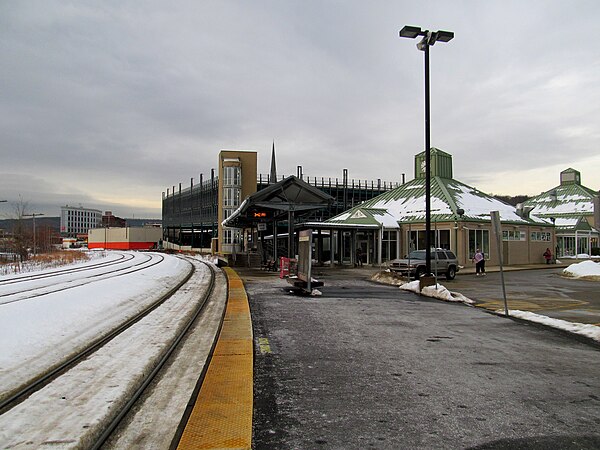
(17, 295)
(118, 418)
(12, 398)
(51, 273)
(108, 425)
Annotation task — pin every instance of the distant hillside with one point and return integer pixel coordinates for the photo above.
(512, 200)
(141, 222)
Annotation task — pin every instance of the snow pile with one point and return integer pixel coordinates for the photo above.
(388, 277)
(586, 269)
(584, 329)
(436, 291)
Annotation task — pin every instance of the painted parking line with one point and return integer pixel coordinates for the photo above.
(532, 304)
(264, 346)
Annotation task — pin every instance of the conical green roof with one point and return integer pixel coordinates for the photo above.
(450, 200)
(449, 197)
(566, 200)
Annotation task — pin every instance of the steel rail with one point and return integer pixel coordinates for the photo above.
(31, 277)
(112, 426)
(20, 394)
(119, 272)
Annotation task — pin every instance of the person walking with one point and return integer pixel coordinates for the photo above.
(479, 260)
(548, 255)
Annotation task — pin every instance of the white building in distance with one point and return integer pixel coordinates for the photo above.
(76, 220)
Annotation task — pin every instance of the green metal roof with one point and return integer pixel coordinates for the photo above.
(406, 204)
(572, 224)
(566, 200)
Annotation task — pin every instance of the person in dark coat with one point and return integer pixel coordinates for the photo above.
(358, 262)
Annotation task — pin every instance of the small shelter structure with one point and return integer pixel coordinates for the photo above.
(575, 210)
(281, 203)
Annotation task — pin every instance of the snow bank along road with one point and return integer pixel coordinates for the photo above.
(49, 318)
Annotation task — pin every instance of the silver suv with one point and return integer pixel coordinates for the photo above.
(442, 262)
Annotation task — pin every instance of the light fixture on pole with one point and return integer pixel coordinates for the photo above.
(429, 38)
(34, 215)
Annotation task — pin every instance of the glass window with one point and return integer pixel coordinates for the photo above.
(232, 197)
(388, 245)
(231, 176)
(441, 239)
(540, 236)
(513, 235)
(479, 239)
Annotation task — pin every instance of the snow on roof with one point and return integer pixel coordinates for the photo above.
(362, 216)
(565, 207)
(412, 207)
(567, 222)
(478, 205)
(573, 199)
(406, 203)
(386, 219)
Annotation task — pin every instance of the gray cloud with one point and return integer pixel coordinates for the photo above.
(120, 100)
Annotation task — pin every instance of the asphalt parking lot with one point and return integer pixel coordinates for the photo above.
(542, 291)
(371, 366)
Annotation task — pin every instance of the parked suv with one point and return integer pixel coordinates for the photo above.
(442, 262)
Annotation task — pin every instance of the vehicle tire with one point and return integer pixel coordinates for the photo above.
(451, 273)
(420, 271)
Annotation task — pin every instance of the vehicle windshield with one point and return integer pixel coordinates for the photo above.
(417, 254)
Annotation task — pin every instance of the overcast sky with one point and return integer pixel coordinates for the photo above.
(108, 103)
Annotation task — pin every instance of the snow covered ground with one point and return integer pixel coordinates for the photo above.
(68, 412)
(40, 332)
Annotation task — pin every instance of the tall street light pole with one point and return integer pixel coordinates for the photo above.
(429, 38)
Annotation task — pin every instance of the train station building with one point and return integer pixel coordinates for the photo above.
(393, 224)
(229, 216)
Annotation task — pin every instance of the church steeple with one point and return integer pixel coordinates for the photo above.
(273, 176)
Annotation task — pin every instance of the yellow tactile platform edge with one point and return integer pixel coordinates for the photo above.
(222, 415)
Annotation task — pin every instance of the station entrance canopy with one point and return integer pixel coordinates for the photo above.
(277, 201)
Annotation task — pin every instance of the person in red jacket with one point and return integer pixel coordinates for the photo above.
(548, 255)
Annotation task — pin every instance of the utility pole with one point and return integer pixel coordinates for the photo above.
(34, 215)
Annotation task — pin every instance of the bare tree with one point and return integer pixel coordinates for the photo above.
(21, 233)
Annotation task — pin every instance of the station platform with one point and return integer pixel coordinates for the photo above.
(222, 414)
